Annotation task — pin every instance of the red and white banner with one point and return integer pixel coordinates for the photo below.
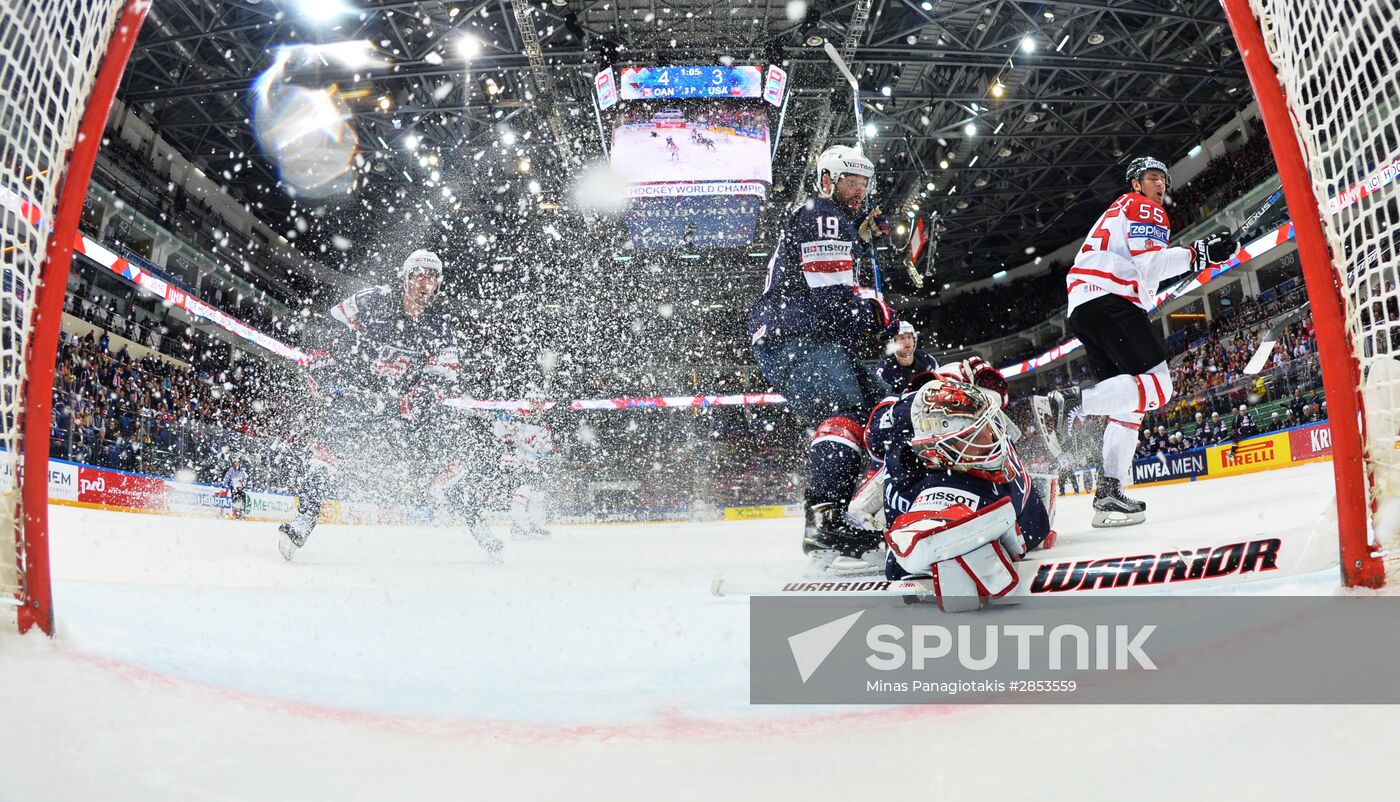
(775, 86)
(118, 489)
(1365, 188)
(679, 401)
(917, 240)
(606, 88)
(1310, 442)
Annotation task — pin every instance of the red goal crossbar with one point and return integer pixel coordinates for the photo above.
(1340, 372)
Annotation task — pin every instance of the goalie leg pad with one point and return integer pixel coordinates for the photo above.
(868, 504)
(967, 582)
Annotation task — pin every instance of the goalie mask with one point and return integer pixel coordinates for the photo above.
(957, 427)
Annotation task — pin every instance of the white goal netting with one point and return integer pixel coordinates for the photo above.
(1338, 62)
(50, 51)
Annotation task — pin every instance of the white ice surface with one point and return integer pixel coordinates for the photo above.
(192, 663)
(639, 157)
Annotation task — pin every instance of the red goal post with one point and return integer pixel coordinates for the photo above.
(1327, 78)
(60, 64)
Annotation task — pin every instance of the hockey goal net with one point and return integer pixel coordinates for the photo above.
(1327, 77)
(60, 61)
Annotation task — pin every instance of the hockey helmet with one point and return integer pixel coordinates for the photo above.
(957, 426)
(418, 261)
(905, 327)
(839, 160)
(1142, 164)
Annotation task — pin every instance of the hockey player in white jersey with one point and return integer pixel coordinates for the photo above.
(1112, 286)
(529, 443)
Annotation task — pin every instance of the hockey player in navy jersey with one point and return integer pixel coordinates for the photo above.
(906, 361)
(814, 323)
(387, 359)
(1112, 286)
(961, 506)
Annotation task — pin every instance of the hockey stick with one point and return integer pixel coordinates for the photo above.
(855, 91)
(1254, 217)
(860, 139)
(1261, 354)
(872, 585)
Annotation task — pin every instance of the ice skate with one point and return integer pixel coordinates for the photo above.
(489, 543)
(1112, 508)
(293, 536)
(1052, 414)
(532, 532)
(838, 546)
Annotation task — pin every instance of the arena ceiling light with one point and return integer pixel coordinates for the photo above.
(355, 53)
(1028, 43)
(871, 130)
(323, 11)
(970, 129)
(468, 47)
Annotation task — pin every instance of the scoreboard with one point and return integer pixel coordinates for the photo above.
(684, 83)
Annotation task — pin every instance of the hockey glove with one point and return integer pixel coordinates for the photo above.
(886, 320)
(988, 378)
(1213, 249)
(874, 226)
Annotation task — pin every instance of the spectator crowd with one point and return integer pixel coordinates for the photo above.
(151, 414)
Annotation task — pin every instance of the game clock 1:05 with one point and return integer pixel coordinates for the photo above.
(689, 76)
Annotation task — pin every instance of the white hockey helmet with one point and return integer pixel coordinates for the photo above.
(1142, 164)
(905, 327)
(418, 261)
(839, 160)
(957, 426)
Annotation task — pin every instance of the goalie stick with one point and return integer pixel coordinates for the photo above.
(1254, 217)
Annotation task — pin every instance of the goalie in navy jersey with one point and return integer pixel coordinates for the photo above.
(386, 362)
(962, 508)
(1112, 286)
(814, 324)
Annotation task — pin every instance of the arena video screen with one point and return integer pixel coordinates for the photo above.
(696, 170)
